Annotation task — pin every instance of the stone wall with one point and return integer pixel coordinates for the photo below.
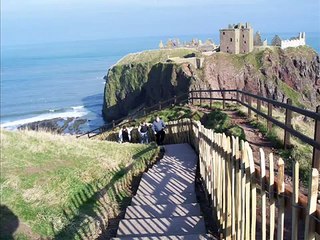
(229, 41)
(246, 40)
(299, 41)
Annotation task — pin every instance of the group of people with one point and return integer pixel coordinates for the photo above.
(158, 127)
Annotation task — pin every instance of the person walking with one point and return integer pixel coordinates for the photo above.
(143, 130)
(124, 135)
(158, 129)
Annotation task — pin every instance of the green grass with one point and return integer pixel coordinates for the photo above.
(154, 56)
(220, 122)
(300, 151)
(172, 113)
(52, 183)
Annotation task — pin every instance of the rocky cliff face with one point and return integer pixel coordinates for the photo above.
(136, 85)
(279, 74)
(275, 73)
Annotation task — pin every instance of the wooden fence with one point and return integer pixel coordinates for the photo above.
(249, 201)
(246, 99)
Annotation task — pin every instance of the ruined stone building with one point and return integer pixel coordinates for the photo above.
(300, 40)
(236, 39)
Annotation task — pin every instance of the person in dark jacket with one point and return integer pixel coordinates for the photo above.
(124, 135)
(143, 130)
(158, 129)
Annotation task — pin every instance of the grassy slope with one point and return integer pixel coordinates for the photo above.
(43, 175)
(154, 56)
(300, 152)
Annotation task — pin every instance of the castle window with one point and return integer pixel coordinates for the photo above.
(243, 35)
(224, 33)
(245, 41)
(230, 39)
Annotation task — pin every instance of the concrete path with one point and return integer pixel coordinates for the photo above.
(165, 206)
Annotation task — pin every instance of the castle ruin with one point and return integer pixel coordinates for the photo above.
(294, 42)
(236, 39)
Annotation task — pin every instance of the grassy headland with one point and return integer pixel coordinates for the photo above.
(61, 187)
(155, 56)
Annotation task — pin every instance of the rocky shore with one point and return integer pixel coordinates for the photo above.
(67, 126)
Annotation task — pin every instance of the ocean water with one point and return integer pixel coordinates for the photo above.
(65, 79)
(46, 81)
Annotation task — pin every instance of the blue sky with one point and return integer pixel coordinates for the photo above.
(35, 21)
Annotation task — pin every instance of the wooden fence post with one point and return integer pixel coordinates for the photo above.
(242, 98)
(159, 105)
(247, 204)
(309, 232)
(263, 195)
(238, 95)
(253, 193)
(210, 97)
(200, 91)
(250, 104)
(316, 152)
(294, 202)
(258, 107)
(288, 121)
(269, 123)
(175, 100)
(113, 123)
(228, 189)
(144, 111)
(281, 187)
(243, 190)
(271, 196)
(192, 100)
(223, 99)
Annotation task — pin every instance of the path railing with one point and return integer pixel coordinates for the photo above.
(202, 96)
(247, 99)
(183, 98)
(249, 198)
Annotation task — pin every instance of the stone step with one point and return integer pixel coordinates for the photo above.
(169, 183)
(164, 210)
(161, 226)
(170, 237)
(164, 199)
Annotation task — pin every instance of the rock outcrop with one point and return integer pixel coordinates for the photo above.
(279, 74)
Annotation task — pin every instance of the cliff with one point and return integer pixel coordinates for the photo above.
(145, 78)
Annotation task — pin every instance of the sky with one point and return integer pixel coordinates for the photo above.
(41, 21)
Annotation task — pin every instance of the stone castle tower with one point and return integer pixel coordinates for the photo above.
(236, 39)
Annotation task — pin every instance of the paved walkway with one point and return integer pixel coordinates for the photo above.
(165, 206)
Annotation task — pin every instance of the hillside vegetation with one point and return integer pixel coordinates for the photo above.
(62, 187)
(154, 56)
(145, 78)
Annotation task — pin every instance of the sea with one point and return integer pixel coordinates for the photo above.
(66, 79)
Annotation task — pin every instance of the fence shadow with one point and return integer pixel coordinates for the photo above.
(96, 205)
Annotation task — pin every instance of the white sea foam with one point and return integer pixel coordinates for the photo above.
(77, 111)
(77, 108)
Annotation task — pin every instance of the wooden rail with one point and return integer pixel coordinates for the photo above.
(239, 187)
(245, 99)
(139, 113)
